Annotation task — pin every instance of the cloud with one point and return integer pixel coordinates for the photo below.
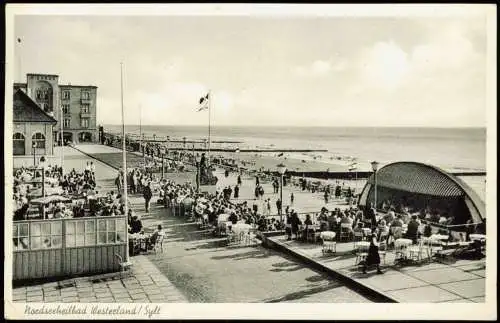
(317, 68)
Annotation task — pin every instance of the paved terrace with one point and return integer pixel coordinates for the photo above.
(456, 281)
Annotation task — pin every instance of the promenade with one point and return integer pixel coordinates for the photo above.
(198, 267)
(205, 269)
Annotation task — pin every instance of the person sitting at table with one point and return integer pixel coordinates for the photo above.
(369, 215)
(412, 230)
(155, 235)
(233, 218)
(332, 222)
(373, 257)
(390, 216)
(295, 223)
(135, 225)
(307, 223)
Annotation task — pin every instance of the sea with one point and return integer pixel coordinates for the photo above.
(452, 149)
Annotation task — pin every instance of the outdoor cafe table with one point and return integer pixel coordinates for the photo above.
(327, 235)
(138, 242)
(476, 236)
(439, 237)
(402, 245)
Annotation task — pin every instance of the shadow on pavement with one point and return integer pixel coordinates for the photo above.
(303, 294)
(258, 254)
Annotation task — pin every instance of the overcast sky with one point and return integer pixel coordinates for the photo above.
(328, 71)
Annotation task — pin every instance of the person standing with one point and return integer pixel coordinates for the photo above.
(118, 182)
(257, 181)
(292, 198)
(148, 194)
(278, 206)
(236, 192)
(373, 257)
(239, 180)
(268, 205)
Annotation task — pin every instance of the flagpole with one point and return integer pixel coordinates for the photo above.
(124, 153)
(209, 108)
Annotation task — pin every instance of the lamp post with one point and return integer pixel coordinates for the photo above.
(281, 170)
(375, 167)
(42, 166)
(162, 165)
(33, 146)
(198, 160)
(238, 159)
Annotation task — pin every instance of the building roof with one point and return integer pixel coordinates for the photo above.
(42, 74)
(70, 85)
(27, 110)
(20, 85)
(417, 178)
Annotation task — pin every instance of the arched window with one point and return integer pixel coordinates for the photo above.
(19, 144)
(39, 139)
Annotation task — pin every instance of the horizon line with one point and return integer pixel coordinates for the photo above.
(293, 126)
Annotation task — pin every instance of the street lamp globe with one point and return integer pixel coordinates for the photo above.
(33, 145)
(374, 165)
(281, 168)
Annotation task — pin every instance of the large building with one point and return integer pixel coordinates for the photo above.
(73, 105)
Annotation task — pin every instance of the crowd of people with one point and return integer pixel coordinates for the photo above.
(69, 195)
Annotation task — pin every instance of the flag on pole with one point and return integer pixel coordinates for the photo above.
(203, 103)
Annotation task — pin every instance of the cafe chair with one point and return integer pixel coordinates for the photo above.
(382, 248)
(361, 254)
(124, 266)
(158, 247)
(415, 252)
(329, 245)
(358, 236)
(345, 231)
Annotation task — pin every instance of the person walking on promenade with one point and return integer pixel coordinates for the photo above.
(268, 205)
(118, 182)
(148, 194)
(278, 206)
(291, 198)
(239, 180)
(373, 257)
(257, 181)
(326, 196)
(236, 192)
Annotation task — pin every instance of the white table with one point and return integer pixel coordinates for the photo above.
(402, 243)
(439, 237)
(476, 236)
(327, 235)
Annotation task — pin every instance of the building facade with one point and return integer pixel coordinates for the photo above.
(32, 133)
(73, 106)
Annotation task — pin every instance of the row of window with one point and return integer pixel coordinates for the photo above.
(78, 233)
(84, 123)
(66, 95)
(84, 108)
(37, 138)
